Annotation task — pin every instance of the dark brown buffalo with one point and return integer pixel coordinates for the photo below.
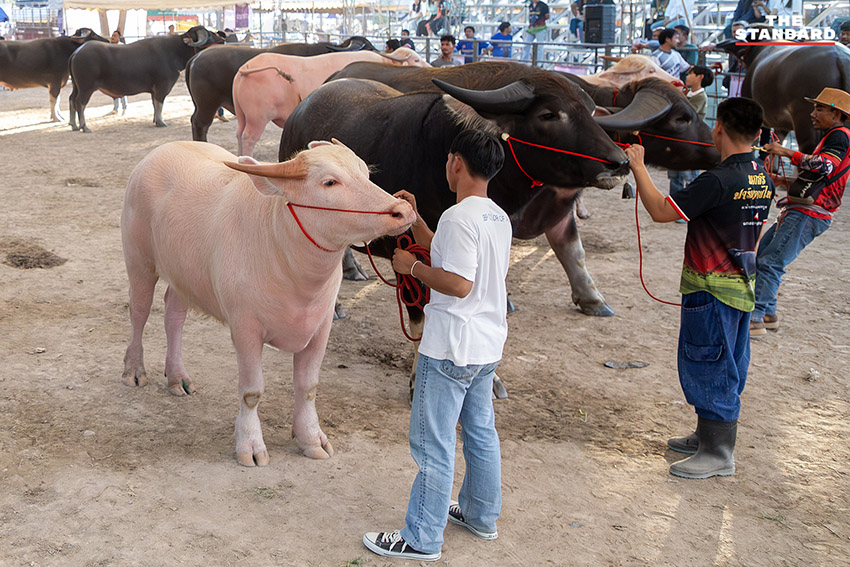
(42, 63)
(209, 75)
(779, 77)
(148, 66)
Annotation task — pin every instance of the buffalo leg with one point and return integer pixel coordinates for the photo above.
(72, 108)
(179, 382)
(157, 112)
(250, 447)
(566, 243)
(142, 285)
(351, 269)
(305, 372)
(55, 115)
(79, 105)
(202, 119)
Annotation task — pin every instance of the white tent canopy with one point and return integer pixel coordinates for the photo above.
(147, 4)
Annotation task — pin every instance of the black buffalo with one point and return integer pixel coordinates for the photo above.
(547, 210)
(209, 75)
(42, 63)
(778, 77)
(408, 136)
(647, 109)
(147, 66)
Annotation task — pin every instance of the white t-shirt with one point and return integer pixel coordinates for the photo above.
(472, 240)
(672, 62)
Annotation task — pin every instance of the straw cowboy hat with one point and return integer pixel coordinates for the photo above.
(834, 98)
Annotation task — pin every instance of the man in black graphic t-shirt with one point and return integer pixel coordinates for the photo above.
(725, 209)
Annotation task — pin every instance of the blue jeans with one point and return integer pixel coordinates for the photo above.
(680, 179)
(714, 355)
(444, 394)
(530, 38)
(779, 246)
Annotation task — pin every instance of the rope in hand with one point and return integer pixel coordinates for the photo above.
(408, 290)
(640, 255)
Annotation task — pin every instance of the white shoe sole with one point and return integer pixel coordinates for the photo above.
(489, 536)
(377, 550)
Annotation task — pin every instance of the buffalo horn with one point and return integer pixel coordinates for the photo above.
(513, 98)
(292, 169)
(203, 37)
(645, 108)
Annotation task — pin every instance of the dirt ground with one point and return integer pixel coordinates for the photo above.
(94, 473)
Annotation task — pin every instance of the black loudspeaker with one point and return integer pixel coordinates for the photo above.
(599, 22)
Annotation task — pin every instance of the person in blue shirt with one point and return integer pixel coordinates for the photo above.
(466, 47)
(502, 41)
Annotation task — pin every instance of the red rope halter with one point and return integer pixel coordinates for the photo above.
(304, 230)
(408, 290)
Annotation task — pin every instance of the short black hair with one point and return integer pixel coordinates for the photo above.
(504, 26)
(741, 118)
(845, 25)
(482, 152)
(393, 44)
(683, 28)
(406, 31)
(665, 35)
(469, 28)
(706, 73)
(448, 37)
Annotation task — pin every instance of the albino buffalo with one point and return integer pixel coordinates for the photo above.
(268, 87)
(628, 69)
(231, 246)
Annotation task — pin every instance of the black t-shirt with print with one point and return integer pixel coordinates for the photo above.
(725, 209)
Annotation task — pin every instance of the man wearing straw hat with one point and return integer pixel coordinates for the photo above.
(800, 222)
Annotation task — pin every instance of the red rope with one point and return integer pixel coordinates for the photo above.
(694, 142)
(304, 230)
(408, 290)
(640, 255)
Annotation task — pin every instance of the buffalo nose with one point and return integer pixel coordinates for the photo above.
(403, 211)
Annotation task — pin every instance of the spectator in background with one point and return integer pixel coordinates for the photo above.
(447, 48)
(171, 30)
(666, 57)
(230, 36)
(844, 37)
(678, 12)
(391, 45)
(502, 41)
(248, 39)
(466, 47)
(577, 20)
(405, 40)
(696, 80)
(118, 37)
(538, 14)
(688, 51)
(415, 14)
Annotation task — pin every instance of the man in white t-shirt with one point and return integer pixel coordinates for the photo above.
(667, 57)
(465, 331)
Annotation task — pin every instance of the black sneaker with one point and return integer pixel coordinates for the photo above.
(456, 517)
(391, 544)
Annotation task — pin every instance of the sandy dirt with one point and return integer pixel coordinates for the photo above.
(95, 473)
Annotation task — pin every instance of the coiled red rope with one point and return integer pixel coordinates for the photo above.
(408, 291)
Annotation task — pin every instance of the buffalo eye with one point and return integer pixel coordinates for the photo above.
(548, 116)
(329, 183)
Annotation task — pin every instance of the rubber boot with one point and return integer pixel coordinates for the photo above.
(687, 444)
(715, 453)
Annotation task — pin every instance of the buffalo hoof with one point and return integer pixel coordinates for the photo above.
(499, 390)
(161, 124)
(323, 452)
(135, 377)
(182, 388)
(259, 459)
(74, 128)
(596, 309)
(351, 269)
(86, 129)
(339, 312)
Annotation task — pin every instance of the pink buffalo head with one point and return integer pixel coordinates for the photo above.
(328, 175)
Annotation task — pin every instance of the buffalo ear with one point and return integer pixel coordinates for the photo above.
(316, 143)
